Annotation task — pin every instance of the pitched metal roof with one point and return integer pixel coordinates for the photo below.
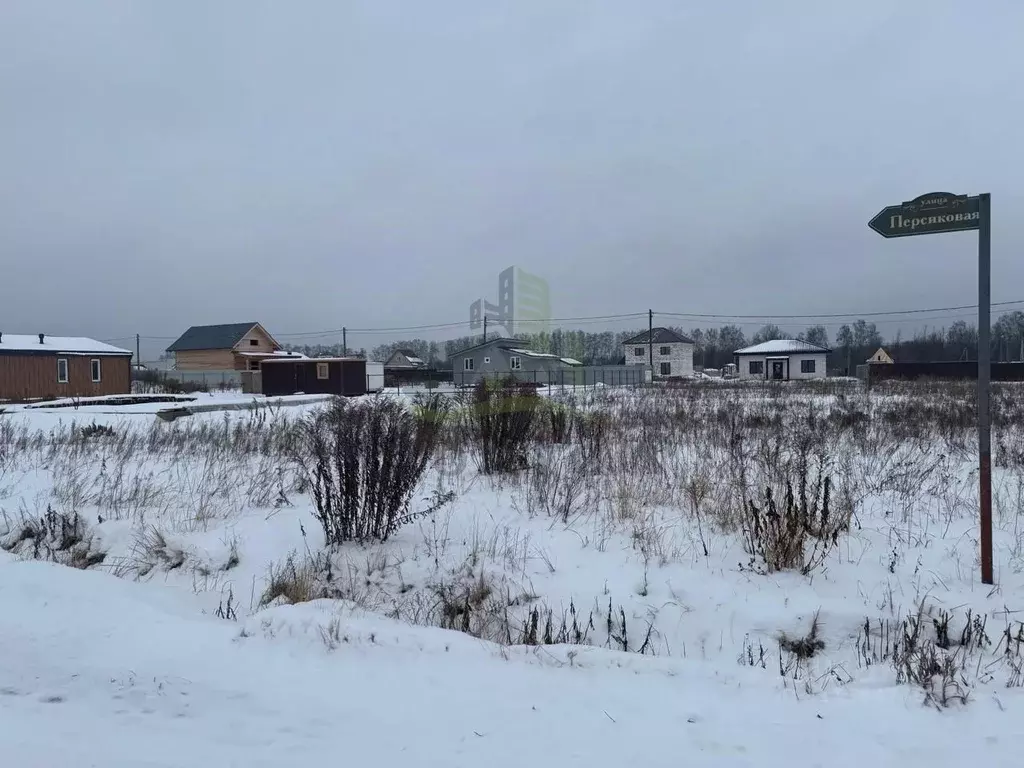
(211, 337)
(783, 347)
(661, 336)
(18, 344)
(498, 341)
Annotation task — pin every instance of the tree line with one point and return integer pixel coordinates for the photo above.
(852, 345)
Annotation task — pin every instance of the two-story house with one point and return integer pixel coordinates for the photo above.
(672, 352)
(231, 347)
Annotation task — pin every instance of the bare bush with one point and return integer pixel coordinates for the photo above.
(925, 650)
(56, 537)
(299, 581)
(556, 483)
(799, 533)
(503, 420)
(364, 463)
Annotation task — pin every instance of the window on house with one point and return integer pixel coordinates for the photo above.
(807, 366)
(254, 342)
(62, 371)
(254, 365)
(323, 371)
(467, 364)
(516, 363)
(96, 377)
(756, 366)
(638, 352)
(666, 369)
(665, 351)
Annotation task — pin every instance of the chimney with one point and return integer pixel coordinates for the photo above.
(41, 338)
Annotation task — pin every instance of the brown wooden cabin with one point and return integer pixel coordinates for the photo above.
(44, 367)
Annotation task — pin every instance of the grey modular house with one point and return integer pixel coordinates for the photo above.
(503, 357)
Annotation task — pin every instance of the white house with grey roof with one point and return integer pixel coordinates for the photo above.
(782, 360)
(672, 352)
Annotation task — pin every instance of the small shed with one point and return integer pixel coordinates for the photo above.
(313, 376)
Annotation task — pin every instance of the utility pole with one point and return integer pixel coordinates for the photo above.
(138, 354)
(344, 342)
(650, 340)
(485, 329)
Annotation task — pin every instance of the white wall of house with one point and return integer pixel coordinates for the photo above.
(795, 366)
(679, 358)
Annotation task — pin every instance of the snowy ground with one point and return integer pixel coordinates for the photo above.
(168, 645)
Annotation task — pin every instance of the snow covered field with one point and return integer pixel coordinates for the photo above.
(625, 596)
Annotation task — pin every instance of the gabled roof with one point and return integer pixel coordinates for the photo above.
(55, 345)
(661, 336)
(500, 341)
(783, 347)
(408, 354)
(212, 337)
(546, 356)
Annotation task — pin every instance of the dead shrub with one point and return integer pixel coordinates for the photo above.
(294, 582)
(56, 537)
(503, 416)
(365, 461)
(799, 533)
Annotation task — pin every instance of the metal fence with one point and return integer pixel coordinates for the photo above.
(206, 381)
(249, 381)
(872, 373)
(576, 376)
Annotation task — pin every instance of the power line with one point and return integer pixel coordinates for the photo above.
(836, 315)
(715, 318)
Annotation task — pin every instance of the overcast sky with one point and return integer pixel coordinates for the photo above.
(376, 163)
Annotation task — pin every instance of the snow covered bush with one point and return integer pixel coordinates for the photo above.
(364, 461)
(55, 537)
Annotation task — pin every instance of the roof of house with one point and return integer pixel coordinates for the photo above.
(56, 345)
(304, 359)
(275, 354)
(503, 342)
(661, 336)
(408, 354)
(411, 356)
(545, 355)
(211, 337)
(783, 347)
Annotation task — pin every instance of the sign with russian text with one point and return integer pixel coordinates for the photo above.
(928, 215)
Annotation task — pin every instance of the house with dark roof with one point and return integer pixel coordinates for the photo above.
(672, 352)
(230, 347)
(41, 366)
(782, 360)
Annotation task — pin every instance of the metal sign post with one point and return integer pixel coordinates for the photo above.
(935, 213)
(984, 382)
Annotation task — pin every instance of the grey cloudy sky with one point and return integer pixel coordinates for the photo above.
(376, 163)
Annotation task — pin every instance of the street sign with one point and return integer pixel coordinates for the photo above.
(928, 215)
(943, 212)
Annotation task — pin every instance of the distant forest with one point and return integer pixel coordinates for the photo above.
(851, 346)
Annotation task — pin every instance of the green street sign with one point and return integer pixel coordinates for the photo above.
(928, 215)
